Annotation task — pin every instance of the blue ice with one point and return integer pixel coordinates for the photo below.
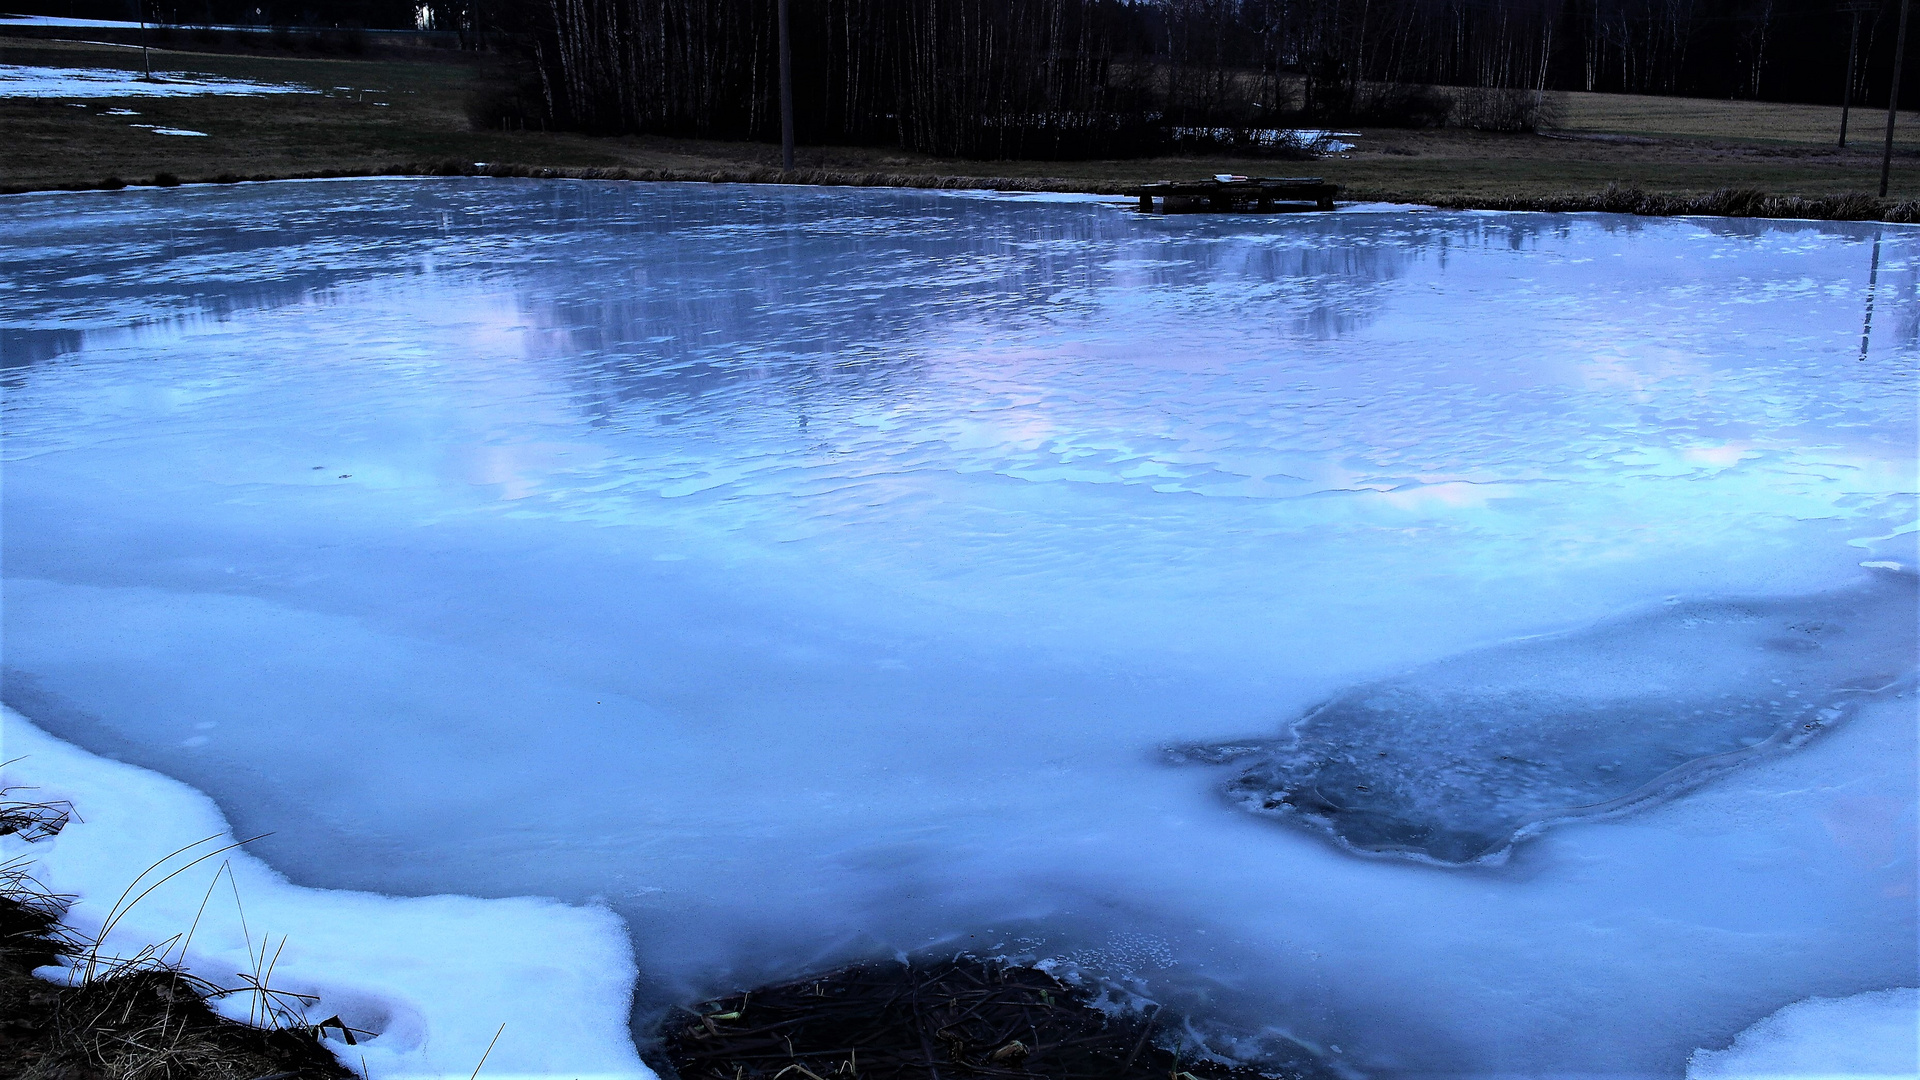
(812, 574)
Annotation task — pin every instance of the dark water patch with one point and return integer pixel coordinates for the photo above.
(1457, 760)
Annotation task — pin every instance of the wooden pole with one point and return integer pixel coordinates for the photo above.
(786, 93)
(145, 63)
(1893, 96)
(1846, 93)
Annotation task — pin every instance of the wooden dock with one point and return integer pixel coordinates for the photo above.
(1259, 193)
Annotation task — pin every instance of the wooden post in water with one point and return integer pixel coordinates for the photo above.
(786, 93)
(1893, 96)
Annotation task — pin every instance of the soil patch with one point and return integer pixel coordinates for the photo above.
(957, 1018)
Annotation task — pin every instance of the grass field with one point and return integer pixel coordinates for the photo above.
(378, 114)
(1756, 122)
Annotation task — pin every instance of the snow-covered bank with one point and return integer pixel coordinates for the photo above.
(433, 978)
(1866, 1035)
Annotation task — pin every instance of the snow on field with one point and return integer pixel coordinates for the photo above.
(61, 20)
(424, 982)
(811, 574)
(35, 81)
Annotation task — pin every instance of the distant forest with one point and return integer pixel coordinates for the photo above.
(1041, 78)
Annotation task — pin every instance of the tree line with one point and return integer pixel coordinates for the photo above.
(1038, 78)
(1071, 77)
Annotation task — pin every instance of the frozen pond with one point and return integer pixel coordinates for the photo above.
(816, 574)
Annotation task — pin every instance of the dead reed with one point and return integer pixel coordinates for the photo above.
(962, 1017)
(138, 1019)
(1727, 202)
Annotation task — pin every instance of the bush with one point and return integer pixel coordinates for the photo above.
(1281, 143)
(1400, 105)
(1408, 105)
(510, 101)
(1486, 108)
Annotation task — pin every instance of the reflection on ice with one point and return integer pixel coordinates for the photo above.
(1458, 759)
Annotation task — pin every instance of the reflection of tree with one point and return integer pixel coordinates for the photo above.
(669, 301)
(105, 263)
(22, 346)
(808, 295)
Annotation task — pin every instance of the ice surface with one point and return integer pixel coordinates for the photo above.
(811, 574)
(424, 982)
(1456, 760)
(1868, 1035)
(33, 81)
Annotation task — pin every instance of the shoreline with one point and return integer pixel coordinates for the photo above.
(1856, 1031)
(424, 982)
(1725, 202)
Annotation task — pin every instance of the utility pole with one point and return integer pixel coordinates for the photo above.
(145, 63)
(786, 92)
(1855, 8)
(1893, 95)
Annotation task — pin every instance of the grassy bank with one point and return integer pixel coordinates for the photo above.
(407, 115)
(139, 1019)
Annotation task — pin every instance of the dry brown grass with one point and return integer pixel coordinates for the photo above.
(957, 1017)
(1708, 118)
(141, 1020)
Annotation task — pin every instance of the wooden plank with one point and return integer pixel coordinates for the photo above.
(1259, 193)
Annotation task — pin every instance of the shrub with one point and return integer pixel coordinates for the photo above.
(512, 101)
(1400, 105)
(1503, 109)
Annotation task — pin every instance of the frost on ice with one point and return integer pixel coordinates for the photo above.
(1457, 759)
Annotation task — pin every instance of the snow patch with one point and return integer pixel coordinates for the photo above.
(428, 981)
(1866, 1035)
(34, 81)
